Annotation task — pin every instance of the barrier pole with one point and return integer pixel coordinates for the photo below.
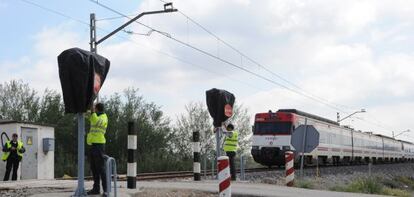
(132, 164)
(224, 176)
(197, 156)
(290, 170)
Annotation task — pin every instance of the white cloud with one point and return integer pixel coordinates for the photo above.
(352, 53)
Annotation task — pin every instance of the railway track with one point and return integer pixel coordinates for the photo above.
(188, 174)
(167, 175)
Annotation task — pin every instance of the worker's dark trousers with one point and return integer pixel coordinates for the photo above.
(96, 160)
(11, 163)
(231, 156)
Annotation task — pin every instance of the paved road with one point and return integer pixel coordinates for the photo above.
(247, 189)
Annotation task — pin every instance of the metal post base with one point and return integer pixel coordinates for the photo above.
(80, 190)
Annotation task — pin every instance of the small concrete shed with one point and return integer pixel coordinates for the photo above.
(38, 140)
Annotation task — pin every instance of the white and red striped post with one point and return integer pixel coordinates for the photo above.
(224, 176)
(290, 170)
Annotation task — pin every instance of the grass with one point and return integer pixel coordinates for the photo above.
(408, 181)
(304, 184)
(395, 192)
(375, 186)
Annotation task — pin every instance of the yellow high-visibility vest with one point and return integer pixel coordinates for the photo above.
(6, 155)
(97, 132)
(230, 143)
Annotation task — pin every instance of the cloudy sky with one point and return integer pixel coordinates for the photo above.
(324, 56)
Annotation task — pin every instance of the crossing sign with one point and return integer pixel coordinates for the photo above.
(305, 136)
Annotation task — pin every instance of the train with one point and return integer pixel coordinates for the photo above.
(337, 144)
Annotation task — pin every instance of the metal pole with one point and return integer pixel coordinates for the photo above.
(337, 117)
(303, 147)
(369, 169)
(218, 148)
(317, 166)
(110, 167)
(244, 167)
(131, 21)
(132, 164)
(241, 167)
(92, 34)
(212, 167)
(205, 165)
(80, 190)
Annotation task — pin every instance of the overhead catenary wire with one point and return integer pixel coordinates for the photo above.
(188, 18)
(162, 33)
(251, 59)
(304, 92)
(141, 44)
(55, 12)
(228, 62)
(221, 59)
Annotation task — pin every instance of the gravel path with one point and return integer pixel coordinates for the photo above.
(23, 192)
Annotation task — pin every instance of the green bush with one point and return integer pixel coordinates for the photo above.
(368, 185)
(373, 186)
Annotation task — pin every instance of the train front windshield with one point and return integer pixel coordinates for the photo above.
(272, 128)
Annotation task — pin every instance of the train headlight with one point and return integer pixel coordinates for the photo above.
(285, 147)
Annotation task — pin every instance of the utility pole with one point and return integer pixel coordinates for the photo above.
(337, 117)
(80, 190)
(92, 42)
(93, 33)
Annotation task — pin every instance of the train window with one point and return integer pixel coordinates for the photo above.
(272, 128)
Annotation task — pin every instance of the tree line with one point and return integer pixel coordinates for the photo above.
(164, 144)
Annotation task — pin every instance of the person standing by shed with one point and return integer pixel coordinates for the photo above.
(12, 154)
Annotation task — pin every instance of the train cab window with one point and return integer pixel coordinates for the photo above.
(273, 128)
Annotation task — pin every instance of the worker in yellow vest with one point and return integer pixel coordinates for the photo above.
(13, 154)
(230, 147)
(96, 140)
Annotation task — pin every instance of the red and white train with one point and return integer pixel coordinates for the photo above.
(337, 144)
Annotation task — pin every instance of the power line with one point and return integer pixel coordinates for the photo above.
(55, 12)
(228, 62)
(270, 71)
(220, 59)
(252, 60)
(186, 44)
(140, 44)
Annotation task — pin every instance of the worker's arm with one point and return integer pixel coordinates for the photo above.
(22, 150)
(5, 149)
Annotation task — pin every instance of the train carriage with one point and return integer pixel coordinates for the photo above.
(272, 133)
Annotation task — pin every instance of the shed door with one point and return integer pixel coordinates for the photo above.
(29, 162)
